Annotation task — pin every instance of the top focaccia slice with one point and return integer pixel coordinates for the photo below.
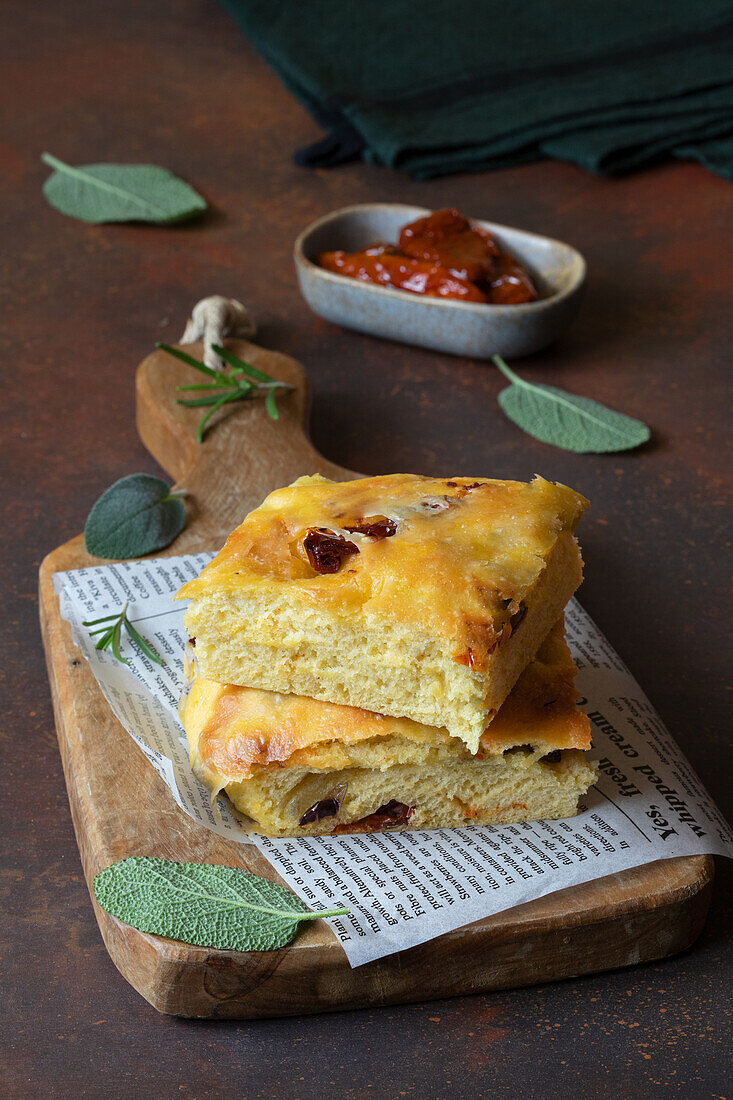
(410, 596)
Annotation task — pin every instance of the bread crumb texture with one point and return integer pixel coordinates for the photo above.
(277, 756)
(438, 593)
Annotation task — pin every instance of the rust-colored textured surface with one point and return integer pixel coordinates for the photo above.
(176, 84)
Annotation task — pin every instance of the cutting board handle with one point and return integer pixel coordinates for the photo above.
(244, 455)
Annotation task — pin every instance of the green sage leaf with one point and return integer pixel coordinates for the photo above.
(98, 193)
(202, 903)
(135, 516)
(565, 420)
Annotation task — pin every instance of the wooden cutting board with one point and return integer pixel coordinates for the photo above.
(121, 808)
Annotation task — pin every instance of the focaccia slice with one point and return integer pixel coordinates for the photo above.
(297, 767)
(409, 596)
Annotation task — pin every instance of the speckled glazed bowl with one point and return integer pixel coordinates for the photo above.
(460, 328)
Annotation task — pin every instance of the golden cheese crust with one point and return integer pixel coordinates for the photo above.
(235, 732)
(452, 558)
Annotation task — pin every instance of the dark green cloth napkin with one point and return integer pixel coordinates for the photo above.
(453, 85)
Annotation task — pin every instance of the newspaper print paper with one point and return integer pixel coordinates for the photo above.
(405, 888)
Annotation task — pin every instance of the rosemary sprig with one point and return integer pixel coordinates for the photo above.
(236, 385)
(111, 635)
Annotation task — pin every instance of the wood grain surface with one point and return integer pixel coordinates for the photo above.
(174, 83)
(122, 808)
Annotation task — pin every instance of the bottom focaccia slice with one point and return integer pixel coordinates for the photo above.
(295, 766)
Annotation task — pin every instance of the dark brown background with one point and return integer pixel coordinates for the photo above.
(175, 83)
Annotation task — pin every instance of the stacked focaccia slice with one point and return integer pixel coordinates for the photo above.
(354, 649)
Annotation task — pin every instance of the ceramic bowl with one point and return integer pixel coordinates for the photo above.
(460, 328)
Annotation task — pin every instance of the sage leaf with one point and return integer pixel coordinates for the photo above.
(136, 515)
(98, 193)
(202, 903)
(565, 420)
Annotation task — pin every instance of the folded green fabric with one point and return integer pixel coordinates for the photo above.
(456, 85)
